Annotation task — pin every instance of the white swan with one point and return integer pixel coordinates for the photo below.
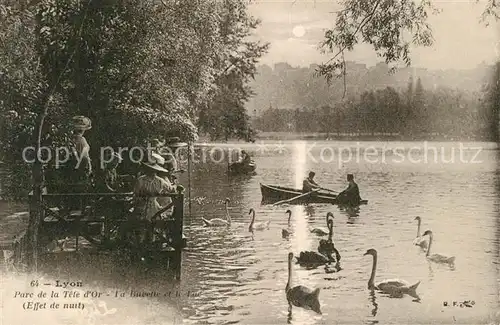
(301, 296)
(257, 225)
(285, 233)
(437, 258)
(218, 222)
(420, 240)
(321, 231)
(394, 287)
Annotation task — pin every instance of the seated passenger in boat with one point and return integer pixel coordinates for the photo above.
(245, 158)
(350, 196)
(309, 184)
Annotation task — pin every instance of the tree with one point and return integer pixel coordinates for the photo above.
(408, 114)
(389, 102)
(448, 113)
(325, 119)
(226, 115)
(380, 23)
(419, 108)
(368, 110)
(390, 26)
(277, 120)
(489, 110)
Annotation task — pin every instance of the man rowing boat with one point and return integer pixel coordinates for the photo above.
(309, 184)
(245, 158)
(350, 196)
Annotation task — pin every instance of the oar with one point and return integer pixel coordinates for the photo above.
(325, 189)
(297, 197)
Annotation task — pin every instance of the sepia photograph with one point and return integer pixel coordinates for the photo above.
(249, 162)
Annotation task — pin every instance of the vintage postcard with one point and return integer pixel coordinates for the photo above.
(249, 162)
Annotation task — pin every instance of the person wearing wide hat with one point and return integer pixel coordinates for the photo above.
(152, 183)
(81, 148)
(78, 168)
(174, 142)
(74, 175)
(81, 123)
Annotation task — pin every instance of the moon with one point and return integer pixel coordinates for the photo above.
(299, 31)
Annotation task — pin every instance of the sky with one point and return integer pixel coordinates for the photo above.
(296, 27)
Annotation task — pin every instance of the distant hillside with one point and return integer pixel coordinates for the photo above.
(287, 87)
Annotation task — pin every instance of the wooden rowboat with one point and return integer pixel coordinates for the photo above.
(239, 168)
(272, 194)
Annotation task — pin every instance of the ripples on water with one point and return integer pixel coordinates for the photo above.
(239, 277)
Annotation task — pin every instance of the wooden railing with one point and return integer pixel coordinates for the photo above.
(59, 220)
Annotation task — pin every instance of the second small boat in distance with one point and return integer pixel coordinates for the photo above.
(272, 194)
(239, 168)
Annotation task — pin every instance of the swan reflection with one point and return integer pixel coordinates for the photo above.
(352, 213)
(303, 320)
(373, 299)
(310, 211)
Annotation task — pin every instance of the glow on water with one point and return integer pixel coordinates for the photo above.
(301, 233)
(301, 239)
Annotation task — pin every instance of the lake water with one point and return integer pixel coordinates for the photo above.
(232, 276)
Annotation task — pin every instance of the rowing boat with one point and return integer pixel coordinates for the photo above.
(240, 168)
(272, 194)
